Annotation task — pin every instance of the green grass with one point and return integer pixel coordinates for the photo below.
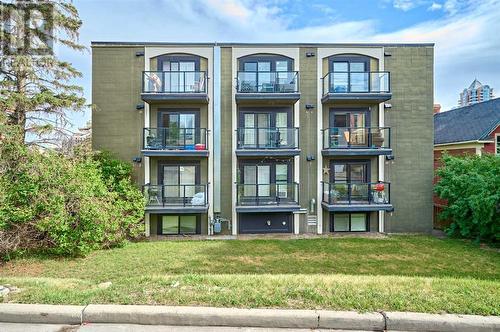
(403, 273)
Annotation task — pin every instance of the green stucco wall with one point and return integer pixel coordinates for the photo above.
(116, 90)
(411, 119)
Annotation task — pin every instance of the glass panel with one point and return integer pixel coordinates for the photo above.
(340, 173)
(340, 120)
(263, 123)
(166, 66)
(249, 131)
(339, 82)
(357, 67)
(282, 124)
(282, 180)
(340, 66)
(249, 180)
(187, 136)
(281, 65)
(264, 66)
(341, 222)
(188, 225)
(171, 180)
(170, 225)
(250, 66)
(188, 81)
(357, 173)
(188, 177)
(358, 222)
(359, 82)
(263, 179)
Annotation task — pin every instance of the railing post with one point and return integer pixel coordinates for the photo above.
(184, 195)
(163, 82)
(162, 195)
(349, 192)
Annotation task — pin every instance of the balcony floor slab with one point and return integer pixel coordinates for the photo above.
(357, 207)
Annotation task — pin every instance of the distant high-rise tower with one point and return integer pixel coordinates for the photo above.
(475, 93)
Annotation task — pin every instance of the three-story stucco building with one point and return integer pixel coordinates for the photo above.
(280, 138)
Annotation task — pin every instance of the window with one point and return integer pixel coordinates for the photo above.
(348, 128)
(178, 129)
(259, 178)
(180, 182)
(262, 128)
(350, 181)
(174, 225)
(349, 74)
(350, 222)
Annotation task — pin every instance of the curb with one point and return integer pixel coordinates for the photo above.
(232, 317)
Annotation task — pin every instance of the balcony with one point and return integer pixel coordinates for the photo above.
(192, 142)
(365, 141)
(356, 197)
(267, 142)
(369, 87)
(271, 197)
(178, 86)
(184, 198)
(267, 86)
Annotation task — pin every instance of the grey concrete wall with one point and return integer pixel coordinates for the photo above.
(411, 119)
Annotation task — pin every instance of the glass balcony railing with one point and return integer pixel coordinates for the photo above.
(269, 194)
(267, 82)
(174, 82)
(356, 82)
(335, 193)
(355, 137)
(175, 138)
(183, 195)
(267, 138)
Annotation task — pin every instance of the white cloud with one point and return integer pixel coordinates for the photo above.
(405, 5)
(435, 6)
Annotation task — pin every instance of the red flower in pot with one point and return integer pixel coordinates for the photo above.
(379, 187)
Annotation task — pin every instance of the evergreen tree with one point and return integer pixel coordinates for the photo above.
(35, 86)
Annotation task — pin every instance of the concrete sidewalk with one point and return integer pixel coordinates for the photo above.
(245, 318)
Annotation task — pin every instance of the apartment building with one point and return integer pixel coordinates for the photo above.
(236, 138)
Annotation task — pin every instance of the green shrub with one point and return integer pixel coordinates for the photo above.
(65, 205)
(471, 186)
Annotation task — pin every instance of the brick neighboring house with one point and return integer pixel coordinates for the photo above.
(473, 129)
(271, 138)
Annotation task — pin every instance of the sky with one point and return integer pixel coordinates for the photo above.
(465, 32)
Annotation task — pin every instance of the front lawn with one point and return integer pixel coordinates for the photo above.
(398, 273)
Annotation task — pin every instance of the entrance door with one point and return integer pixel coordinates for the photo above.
(350, 179)
(265, 223)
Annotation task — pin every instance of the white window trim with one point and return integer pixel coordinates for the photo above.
(497, 146)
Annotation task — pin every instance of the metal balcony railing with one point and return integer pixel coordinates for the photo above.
(335, 193)
(356, 82)
(267, 82)
(174, 82)
(174, 138)
(268, 194)
(356, 137)
(182, 195)
(267, 138)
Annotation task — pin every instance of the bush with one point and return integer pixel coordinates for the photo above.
(65, 205)
(471, 186)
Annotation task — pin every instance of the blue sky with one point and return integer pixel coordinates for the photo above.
(465, 31)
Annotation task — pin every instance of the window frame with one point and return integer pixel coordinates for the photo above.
(159, 229)
(332, 222)
(497, 144)
(178, 58)
(272, 58)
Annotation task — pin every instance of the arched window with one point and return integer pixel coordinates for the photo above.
(349, 73)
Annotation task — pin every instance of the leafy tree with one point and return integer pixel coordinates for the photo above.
(471, 186)
(35, 86)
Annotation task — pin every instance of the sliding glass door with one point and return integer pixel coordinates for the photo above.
(265, 129)
(266, 180)
(179, 128)
(350, 180)
(179, 76)
(179, 182)
(348, 128)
